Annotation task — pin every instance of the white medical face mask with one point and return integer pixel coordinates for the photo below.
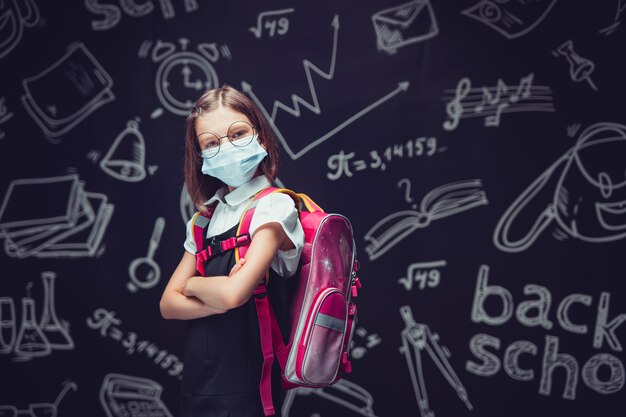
(234, 165)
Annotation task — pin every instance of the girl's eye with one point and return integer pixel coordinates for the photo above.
(211, 144)
(238, 134)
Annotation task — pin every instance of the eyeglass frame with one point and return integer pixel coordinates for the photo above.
(255, 135)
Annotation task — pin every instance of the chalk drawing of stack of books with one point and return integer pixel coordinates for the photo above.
(53, 218)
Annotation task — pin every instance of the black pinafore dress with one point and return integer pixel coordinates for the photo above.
(223, 356)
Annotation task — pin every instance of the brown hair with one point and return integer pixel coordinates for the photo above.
(202, 187)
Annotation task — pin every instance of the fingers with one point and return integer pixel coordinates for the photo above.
(237, 267)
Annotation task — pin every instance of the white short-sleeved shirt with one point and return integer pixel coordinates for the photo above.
(276, 207)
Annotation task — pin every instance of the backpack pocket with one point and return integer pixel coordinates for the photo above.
(321, 346)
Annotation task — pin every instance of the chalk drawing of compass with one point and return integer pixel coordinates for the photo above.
(182, 75)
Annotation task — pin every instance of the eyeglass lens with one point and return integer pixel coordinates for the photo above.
(239, 133)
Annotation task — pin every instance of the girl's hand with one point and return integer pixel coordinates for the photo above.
(237, 267)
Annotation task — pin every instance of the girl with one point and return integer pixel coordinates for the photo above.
(230, 155)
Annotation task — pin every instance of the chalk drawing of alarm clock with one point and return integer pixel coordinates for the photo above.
(182, 76)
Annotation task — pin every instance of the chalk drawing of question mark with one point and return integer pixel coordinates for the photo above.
(407, 193)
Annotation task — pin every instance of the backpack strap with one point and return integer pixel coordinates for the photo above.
(269, 331)
(200, 221)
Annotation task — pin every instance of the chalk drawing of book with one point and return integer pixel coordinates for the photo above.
(417, 338)
(581, 195)
(404, 24)
(68, 91)
(441, 202)
(123, 396)
(347, 395)
(511, 18)
(53, 218)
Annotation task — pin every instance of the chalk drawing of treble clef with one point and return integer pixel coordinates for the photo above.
(455, 108)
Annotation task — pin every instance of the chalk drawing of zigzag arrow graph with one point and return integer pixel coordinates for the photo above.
(314, 105)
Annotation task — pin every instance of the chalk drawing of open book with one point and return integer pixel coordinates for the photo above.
(441, 202)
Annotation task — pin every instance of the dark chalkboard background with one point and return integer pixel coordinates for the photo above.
(478, 148)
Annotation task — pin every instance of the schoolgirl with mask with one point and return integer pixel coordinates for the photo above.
(230, 155)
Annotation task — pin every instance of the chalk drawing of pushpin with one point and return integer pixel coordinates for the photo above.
(579, 68)
(126, 157)
(145, 272)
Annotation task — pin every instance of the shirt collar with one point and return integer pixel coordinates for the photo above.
(241, 193)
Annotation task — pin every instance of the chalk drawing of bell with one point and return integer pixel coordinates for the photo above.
(126, 157)
(582, 194)
(512, 18)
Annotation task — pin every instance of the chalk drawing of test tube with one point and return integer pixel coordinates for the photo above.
(441, 202)
(417, 337)
(39, 409)
(145, 272)
(344, 393)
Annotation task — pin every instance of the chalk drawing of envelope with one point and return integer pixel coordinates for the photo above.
(35, 205)
(404, 24)
(62, 95)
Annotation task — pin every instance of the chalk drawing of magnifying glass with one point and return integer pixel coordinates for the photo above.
(145, 272)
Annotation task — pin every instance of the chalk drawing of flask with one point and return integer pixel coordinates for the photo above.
(579, 68)
(31, 342)
(56, 332)
(126, 157)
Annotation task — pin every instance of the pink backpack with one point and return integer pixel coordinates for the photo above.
(322, 315)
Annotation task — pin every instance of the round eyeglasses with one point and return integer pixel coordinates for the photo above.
(239, 133)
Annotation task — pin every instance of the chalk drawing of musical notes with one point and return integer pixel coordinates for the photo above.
(439, 203)
(580, 68)
(125, 160)
(511, 18)
(275, 23)
(346, 394)
(417, 338)
(314, 106)
(183, 75)
(85, 84)
(40, 409)
(145, 272)
(121, 395)
(491, 102)
(609, 30)
(14, 15)
(405, 24)
(72, 225)
(582, 200)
